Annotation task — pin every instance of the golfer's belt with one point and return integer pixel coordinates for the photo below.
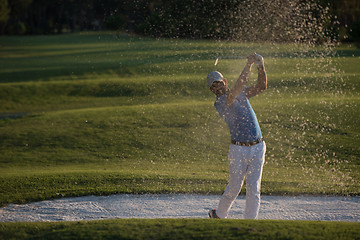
(248, 144)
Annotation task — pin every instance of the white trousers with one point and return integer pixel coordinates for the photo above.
(244, 162)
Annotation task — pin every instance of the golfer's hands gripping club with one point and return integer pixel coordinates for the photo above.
(251, 58)
(259, 60)
(256, 58)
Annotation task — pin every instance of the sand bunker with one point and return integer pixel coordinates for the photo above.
(181, 206)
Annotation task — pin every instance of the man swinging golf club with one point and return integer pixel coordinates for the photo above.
(247, 149)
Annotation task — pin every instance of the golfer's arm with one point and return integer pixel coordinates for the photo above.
(239, 85)
(261, 84)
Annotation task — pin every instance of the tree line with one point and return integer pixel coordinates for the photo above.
(247, 20)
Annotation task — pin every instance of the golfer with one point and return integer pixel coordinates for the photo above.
(247, 149)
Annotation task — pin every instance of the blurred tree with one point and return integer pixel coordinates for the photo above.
(345, 24)
(348, 12)
(4, 14)
(247, 20)
(17, 20)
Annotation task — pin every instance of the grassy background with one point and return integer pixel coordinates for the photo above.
(181, 229)
(96, 113)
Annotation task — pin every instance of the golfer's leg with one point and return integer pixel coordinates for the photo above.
(237, 169)
(253, 181)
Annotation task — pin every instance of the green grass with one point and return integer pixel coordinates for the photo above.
(92, 113)
(181, 229)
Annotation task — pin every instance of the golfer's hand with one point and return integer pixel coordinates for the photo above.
(259, 60)
(251, 58)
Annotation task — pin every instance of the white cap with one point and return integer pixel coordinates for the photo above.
(213, 77)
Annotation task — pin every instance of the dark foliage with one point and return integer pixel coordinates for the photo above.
(262, 20)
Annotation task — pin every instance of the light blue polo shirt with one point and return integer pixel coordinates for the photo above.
(240, 118)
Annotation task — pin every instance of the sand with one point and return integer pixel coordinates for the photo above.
(180, 206)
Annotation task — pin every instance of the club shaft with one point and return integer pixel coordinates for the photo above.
(228, 57)
(231, 57)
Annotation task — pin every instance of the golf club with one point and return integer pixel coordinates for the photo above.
(228, 57)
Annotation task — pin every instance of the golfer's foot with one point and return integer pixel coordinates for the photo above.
(212, 213)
